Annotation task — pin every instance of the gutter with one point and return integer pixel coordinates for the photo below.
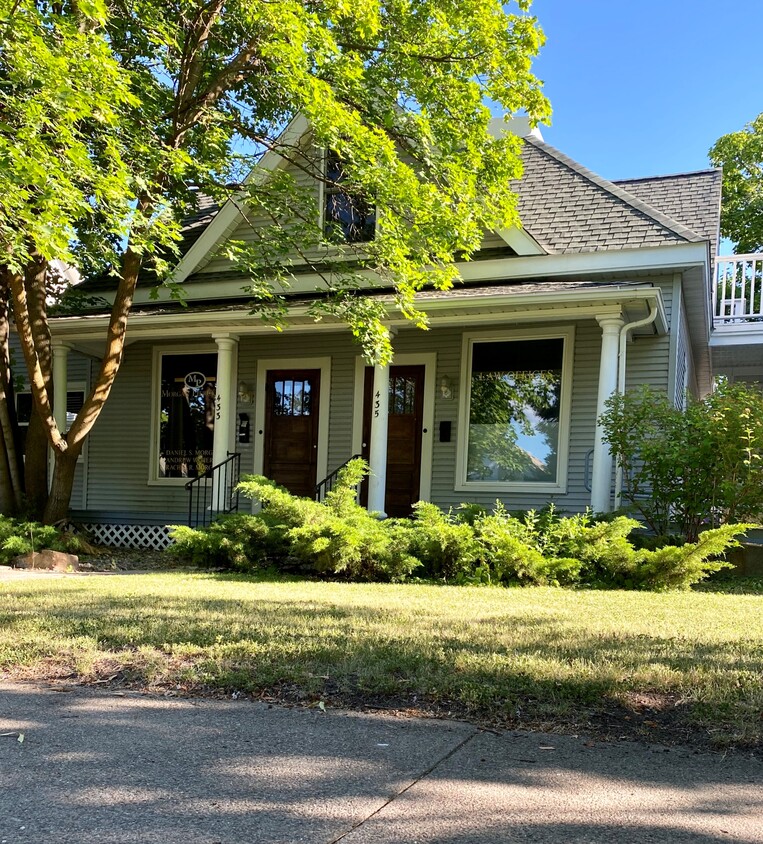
(621, 359)
(91, 327)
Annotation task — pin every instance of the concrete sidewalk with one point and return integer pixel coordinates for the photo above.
(105, 767)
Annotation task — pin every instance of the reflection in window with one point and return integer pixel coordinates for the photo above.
(514, 411)
(402, 395)
(348, 216)
(292, 398)
(187, 415)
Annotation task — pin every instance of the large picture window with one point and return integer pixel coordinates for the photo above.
(516, 412)
(186, 410)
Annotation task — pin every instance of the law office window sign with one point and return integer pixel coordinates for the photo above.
(186, 410)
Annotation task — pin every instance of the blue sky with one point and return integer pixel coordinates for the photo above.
(644, 88)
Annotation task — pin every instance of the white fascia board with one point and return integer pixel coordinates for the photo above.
(583, 263)
(521, 241)
(527, 307)
(552, 305)
(660, 258)
(229, 216)
(747, 334)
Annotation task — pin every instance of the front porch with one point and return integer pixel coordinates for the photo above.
(296, 405)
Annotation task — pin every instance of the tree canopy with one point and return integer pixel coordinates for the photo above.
(741, 156)
(114, 117)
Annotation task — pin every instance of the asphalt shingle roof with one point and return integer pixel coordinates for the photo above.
(568, 208)
(693, 199)
(194, 224)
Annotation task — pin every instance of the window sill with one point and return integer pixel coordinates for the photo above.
(526, 487)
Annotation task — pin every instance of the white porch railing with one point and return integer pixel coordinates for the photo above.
(738, 289)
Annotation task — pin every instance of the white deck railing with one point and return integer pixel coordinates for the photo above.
(738, 289)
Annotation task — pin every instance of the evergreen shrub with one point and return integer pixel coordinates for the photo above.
(339, 538)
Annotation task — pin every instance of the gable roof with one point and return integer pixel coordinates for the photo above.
(568, 208)
(693, 199)
(195, 224)
(564, 208)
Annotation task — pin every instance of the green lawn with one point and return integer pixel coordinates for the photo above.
(681, 665)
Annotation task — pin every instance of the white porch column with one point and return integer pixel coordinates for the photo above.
(601, 479)
(225, 408)
(60, 352)
(377, 458)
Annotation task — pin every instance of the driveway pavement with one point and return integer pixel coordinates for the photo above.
(99, 766)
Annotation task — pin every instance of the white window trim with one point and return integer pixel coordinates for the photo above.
(566, 333)
(156, 383)
(322, 193)
(429, 361)
(324, 408)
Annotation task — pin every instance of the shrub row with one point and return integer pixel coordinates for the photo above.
(338, 538)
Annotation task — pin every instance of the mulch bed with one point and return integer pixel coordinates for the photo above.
(129, 559)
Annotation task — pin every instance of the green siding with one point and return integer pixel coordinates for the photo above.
(120, 444)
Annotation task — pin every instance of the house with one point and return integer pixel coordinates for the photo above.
(608, 285)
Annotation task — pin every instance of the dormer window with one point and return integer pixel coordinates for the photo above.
(348, 217)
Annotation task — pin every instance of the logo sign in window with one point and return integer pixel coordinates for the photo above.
(195, 380)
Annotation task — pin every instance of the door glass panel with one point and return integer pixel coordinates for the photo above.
(291, 398)
(402, 395)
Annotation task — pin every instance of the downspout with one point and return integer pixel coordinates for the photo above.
(639, 323)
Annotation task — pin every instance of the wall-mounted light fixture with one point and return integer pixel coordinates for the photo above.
(245, 393)
(446, 387)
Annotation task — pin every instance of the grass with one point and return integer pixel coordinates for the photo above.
(674, 666)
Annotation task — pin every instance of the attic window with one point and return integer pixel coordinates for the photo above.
(348, 217)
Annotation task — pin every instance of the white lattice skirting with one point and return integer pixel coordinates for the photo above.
(130, 536)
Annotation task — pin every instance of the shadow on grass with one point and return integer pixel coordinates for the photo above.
(525, 669)
(732, 584)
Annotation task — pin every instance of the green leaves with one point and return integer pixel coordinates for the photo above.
(62, 96)
(683, 470)
(741, 156)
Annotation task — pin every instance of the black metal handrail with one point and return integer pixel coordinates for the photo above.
(214, 492)
(327, 484)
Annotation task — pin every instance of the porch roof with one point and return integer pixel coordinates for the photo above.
(521, 302)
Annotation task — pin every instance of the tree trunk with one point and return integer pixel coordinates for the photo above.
(11, 480)
(36, 451)
(36, 466)
(29, 312)
(60, 494)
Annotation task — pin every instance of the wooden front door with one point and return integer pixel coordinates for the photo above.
(291, 428)
(406, 416)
